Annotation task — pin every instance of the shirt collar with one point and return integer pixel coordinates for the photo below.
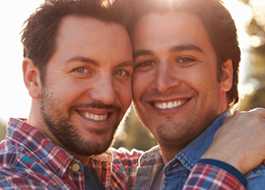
(37, 147)
(191, 154)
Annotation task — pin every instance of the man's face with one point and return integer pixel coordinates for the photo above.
(176, 91)
(87, 86)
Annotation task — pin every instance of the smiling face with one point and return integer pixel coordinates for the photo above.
(175, 88)
(87, 86)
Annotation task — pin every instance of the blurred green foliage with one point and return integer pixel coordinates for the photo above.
(2, 130)
(134, 134)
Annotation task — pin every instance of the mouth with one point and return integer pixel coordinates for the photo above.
(94, 117)
(95, 114)
(169, 105)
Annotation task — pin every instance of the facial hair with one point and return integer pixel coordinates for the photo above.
(58, 122)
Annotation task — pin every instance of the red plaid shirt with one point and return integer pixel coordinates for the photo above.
(29, 160)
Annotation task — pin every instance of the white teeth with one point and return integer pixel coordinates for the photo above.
(169, 105)
(96, 117)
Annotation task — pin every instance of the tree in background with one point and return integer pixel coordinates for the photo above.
(256, 67)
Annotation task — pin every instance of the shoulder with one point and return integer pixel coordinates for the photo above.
(125, 155)
(14, 178)
(8, 153)
(151, 157)
(120, 165)
(19, 170)
(125, 160)
(256, 178)
(118, 156)
(120, 160)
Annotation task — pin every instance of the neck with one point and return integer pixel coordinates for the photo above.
(168, 153)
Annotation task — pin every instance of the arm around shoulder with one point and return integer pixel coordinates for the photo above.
(211, 177)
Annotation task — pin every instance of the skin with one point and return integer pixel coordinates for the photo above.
(87, 87)
(175, 87)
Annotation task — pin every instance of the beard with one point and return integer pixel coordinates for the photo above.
(58, 122)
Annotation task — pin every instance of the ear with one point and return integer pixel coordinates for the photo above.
(227, 75)
(32, 80)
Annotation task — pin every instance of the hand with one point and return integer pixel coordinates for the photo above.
(241, 140)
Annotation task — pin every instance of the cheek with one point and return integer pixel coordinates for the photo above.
(141, 83)
(137, 89)
(69, 90)
(201, 78)
(126, 98)
(123, 92)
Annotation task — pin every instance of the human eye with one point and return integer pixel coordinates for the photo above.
(144, 65)
(185, 61)
(81, 71)
(122, 73)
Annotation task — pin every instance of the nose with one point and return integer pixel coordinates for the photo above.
(166, 77)
(104, 90)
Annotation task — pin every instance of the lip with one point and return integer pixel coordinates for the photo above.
(168, 104)
(88, 125)
(164, 105)
(97, 111)
(94, 117)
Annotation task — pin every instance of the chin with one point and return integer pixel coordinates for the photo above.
(88, 145)
(89, 149)
(97, 146)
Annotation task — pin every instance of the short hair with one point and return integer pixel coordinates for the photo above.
(217, 21)
(40, 30)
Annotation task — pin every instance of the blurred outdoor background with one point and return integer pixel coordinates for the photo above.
(14, 102)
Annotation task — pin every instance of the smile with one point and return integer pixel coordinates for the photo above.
(169, 104)
(94, 117)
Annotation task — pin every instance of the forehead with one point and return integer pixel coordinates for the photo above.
(164, 30)
(91, 37)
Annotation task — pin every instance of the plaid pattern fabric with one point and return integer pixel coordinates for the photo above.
(116, 168)
(150, 164)
(29, 160)
(204, 176)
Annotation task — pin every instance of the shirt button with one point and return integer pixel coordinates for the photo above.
(75, 167)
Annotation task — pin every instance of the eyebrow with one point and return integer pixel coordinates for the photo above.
(94, 62)
(186, 47)
(83, 59)
(125, 64)
(142, 52)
